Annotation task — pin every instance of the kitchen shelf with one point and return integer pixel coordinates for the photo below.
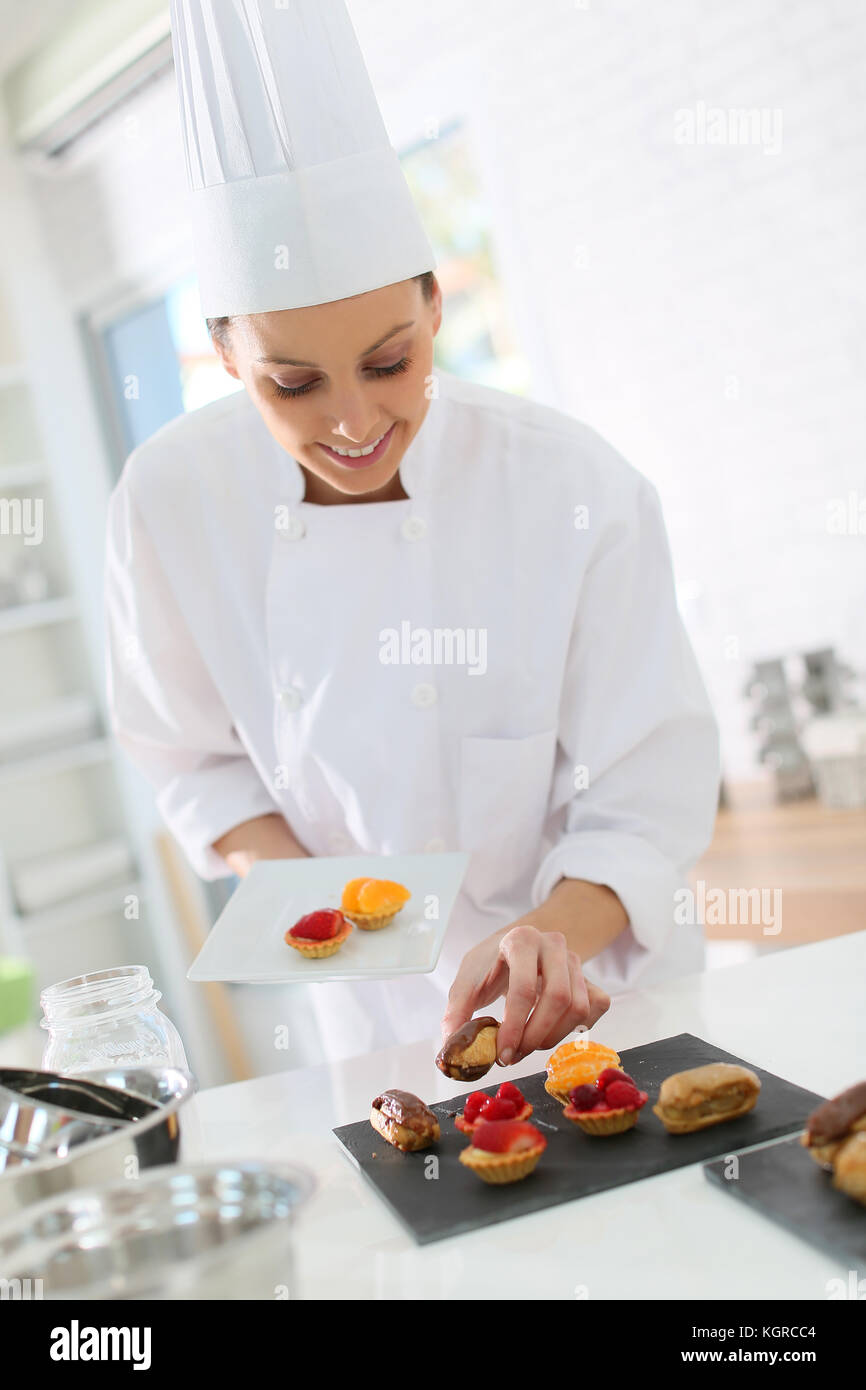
(13, 374)
(55, 784)
(74, 910)
(21, 616)
(14, 475)
(48, 726)
(96, 750)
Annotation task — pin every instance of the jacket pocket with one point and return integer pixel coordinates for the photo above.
(505, 787)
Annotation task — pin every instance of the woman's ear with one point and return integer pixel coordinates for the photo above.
(436, 304)
(225, 356)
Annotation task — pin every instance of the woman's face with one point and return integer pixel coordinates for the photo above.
(341, 377)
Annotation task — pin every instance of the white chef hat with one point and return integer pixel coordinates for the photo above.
(297, 195)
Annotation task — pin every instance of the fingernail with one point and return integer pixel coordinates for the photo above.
(507, 1056)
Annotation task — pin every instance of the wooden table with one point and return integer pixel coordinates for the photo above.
(815, 855)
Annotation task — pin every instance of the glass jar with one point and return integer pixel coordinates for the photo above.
(106, 1019)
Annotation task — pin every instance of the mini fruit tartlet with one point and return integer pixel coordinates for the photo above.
(507, 1104)
(609, 1105)
(503, 1150)
(576, 1063)
(319, 934)
(371, 903)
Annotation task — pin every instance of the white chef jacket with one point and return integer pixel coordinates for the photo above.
(244, 644)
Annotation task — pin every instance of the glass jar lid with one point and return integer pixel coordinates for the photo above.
(96, 997)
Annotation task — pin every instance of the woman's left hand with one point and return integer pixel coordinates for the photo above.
(546, 993)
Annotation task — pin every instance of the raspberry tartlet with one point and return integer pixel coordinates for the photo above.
(507, 1104)
(576, 1063)
(372, 903)
(503, 1150)
(319, 934)
(609, 1105)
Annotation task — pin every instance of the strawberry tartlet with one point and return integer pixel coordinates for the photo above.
(319, 934)
(503, 1150)
(507, 1104)
(608, 1105)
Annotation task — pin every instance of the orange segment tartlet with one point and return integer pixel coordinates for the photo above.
(576, 1063)
(371, 903)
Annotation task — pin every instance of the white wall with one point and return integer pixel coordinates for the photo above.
(702, 306)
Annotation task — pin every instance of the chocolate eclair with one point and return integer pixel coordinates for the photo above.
(833, 1122)
(404, 1120)
(470, 1052)
(849, 1167)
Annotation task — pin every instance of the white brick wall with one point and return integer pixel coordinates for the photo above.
(644, 274)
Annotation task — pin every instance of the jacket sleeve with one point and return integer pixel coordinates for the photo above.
(636, 780)
(164, 708)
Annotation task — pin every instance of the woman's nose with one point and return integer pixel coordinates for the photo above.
(355, 418)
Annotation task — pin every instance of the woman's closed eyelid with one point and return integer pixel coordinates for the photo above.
(395, 354)
(390, 361)
(378, 370)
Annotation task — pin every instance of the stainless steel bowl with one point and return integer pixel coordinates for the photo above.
(125, 1120)
(210, 1231)
(44, 1114)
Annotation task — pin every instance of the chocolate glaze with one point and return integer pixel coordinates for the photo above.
(405, 1109)
(468, 1032)
(835, 1117)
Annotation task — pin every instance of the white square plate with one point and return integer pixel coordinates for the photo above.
(246, 942)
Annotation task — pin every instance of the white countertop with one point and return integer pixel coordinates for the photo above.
(799, 1013)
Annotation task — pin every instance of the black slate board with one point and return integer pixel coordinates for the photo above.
(573, 1164)
(783, 1183)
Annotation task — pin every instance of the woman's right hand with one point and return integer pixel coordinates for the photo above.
(263, 837)
(546, 994)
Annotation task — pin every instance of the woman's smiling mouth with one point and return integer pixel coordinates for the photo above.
(363, 457)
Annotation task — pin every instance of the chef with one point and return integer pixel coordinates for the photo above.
(362, 606)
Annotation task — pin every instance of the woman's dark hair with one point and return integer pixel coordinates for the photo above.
(218, 328)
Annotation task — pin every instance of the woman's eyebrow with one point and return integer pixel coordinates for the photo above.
(295, 362)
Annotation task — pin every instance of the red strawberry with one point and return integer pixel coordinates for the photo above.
(508, 1091)
(583, 1097)
(473, 1104)
(319, 926)
(496, 1109)
(507, 1136)
(624, 1095)
(613, 1074)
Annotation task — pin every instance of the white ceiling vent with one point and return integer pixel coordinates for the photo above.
(94, 60)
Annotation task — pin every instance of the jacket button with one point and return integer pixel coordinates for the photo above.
(435, 846)
(413, 528)
(291, 698)
(295, 530)
(424, 695)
